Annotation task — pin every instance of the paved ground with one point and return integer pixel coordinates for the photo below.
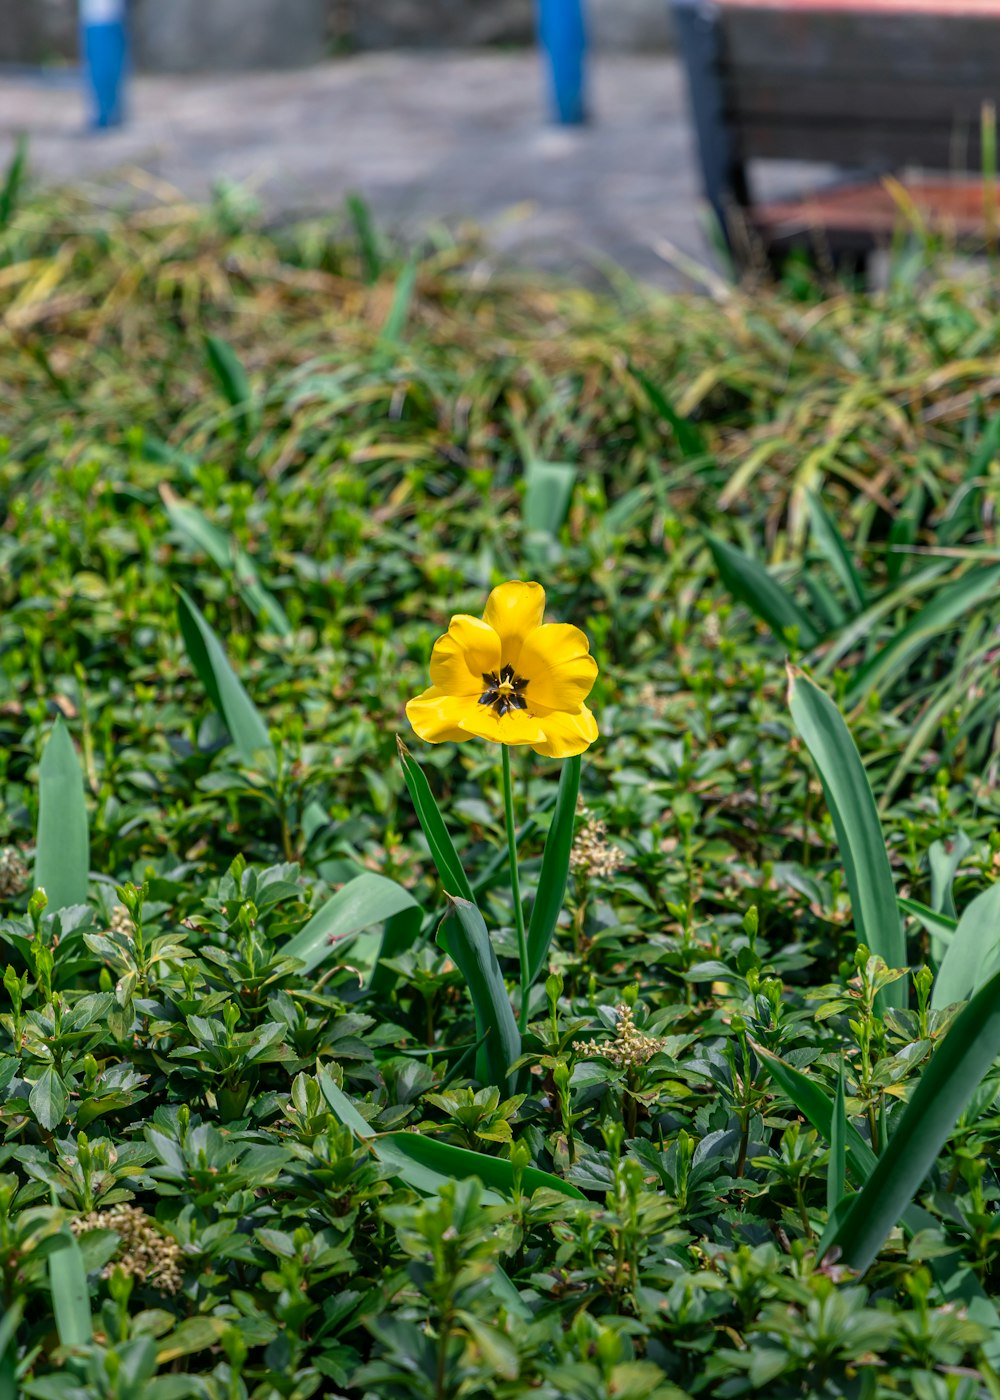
(424, 137)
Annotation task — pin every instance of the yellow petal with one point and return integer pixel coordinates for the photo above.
(469, 649)
(558, 666)
(436, 716)
(513, 610)
(566, 735)
(515, 727)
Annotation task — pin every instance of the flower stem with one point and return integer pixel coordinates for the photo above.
(515, 885)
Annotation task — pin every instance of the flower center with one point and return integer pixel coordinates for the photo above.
(503, 692)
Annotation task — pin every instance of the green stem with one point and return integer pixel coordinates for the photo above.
(515, 885)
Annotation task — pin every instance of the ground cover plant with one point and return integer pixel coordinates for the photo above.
(296, 1097)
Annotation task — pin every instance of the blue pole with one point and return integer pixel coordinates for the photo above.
(104, 50)
(563, 36)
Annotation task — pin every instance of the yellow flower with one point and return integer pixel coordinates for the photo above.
(510, 678)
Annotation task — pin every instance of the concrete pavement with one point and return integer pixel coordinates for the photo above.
(423, 137)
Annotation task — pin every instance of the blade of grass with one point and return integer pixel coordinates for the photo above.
(442, 848)
(70, 1294)
(943, 611)
(833, 546)
(922, 1128)
(229, 556)
(222, 685)
(836, 1171)
(856, 823)
(750, 583)
(464, 937)
(555, 869)
(548, 490)
(369, 899)
(970, 958)
(62, 851)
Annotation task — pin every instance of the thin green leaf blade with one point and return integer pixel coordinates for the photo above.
(836, 1170)
(548, 490)
(687, 435)
(228, 372)
(945, 1087)
(62, 850)
(856, 822)
(224, 688)
(970, 957)
(70, 1295)
(944, 610)
(750, 582)
(442, 848)
(366, 900)
(228, 556)
(424, 1160)
(555, 868)
(833, 546)
(466, 940)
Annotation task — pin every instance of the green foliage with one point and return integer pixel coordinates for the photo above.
(268, 1125)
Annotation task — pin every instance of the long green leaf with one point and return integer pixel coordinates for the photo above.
(555, 869)
(855, 820)
(62, 850)
(426, 1164)
(400, 933)
(229, 374)
(971, 956)
(548, 490)
(464, 937)
(943, 611)
(940, 928)
(366, 900)
(961, 1287)
(751, 583)
(836, 1171)
(222, 685)
(228, 556)
(946, 1085)
(944, 861)
(687, 435)
(10, 192)
(442, 848)
(70, 1295)
(833, 546)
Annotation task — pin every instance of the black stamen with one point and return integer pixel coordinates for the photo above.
(489, 697)
(503, 692)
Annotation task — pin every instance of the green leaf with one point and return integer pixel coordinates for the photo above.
(943, 611)
(400, 933)
(836, 1171)
(555, 869)
(819, 1110)
(222, 685)
(49, 1099)
(230, 376)
(971, 956)
(922, 1128)
(833, 546)
(687, 435)
(937, 925)
(70, 1294)
(10, 193)
(442, 848)
(366, 900)
(343, 1110)
(464, 937)
(751, 583)
(426, 1164)
(944, 860)
(548, 490)
(228, 556)
(364, 230)
(391, 334)
(62, 851)
(855, 819)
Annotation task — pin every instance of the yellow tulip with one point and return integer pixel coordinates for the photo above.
(510, 678)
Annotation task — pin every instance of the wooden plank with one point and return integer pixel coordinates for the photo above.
(931, 7)
(752, 94)
(884, 46)
(860, 145)
(952, 208)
